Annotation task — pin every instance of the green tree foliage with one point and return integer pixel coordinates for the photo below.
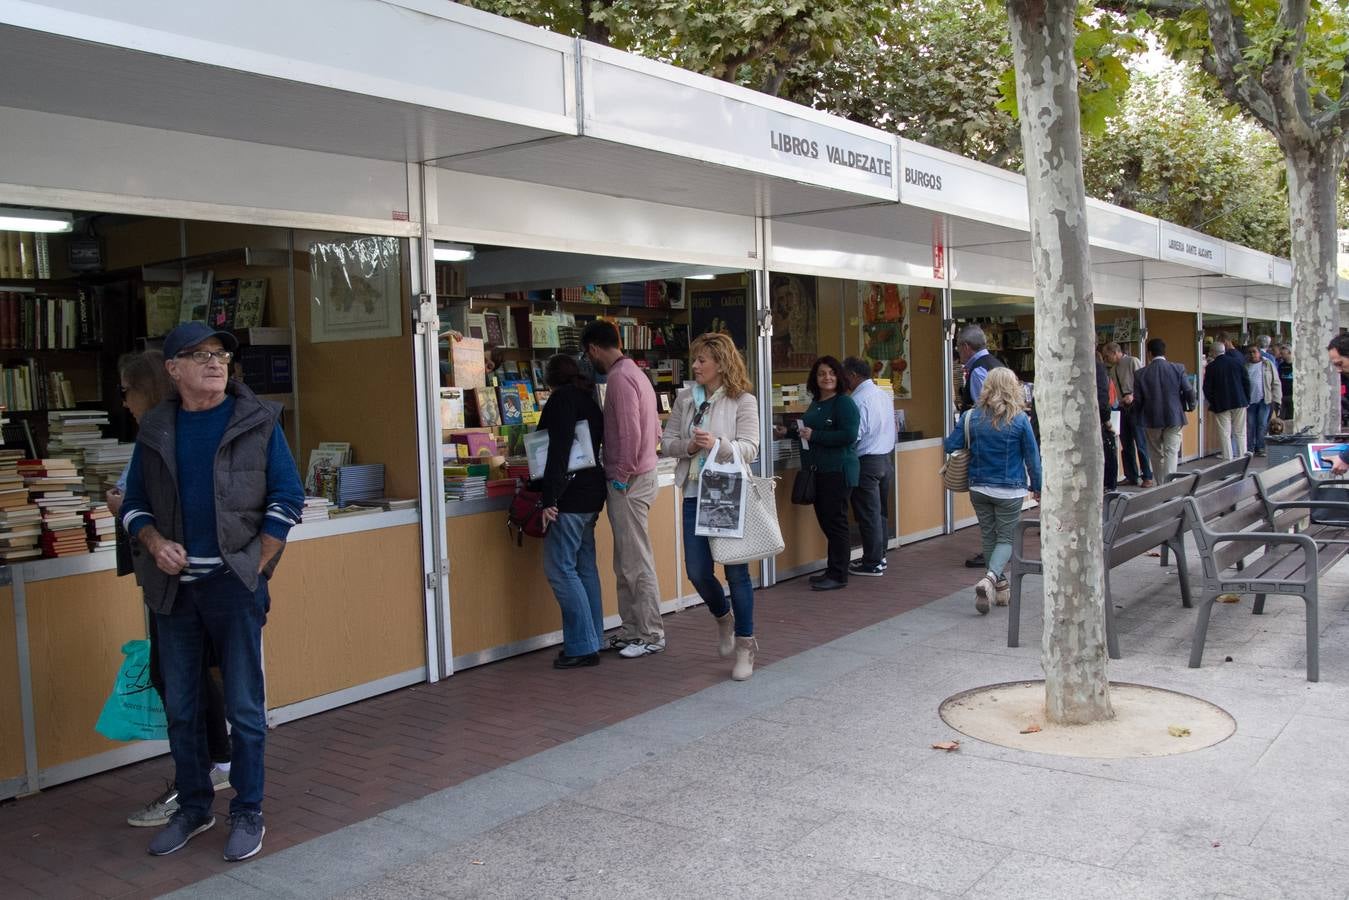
(751, 42)
(1172, 153)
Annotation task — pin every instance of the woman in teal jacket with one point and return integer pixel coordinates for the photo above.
(828, 433)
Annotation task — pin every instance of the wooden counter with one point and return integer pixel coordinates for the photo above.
(922, 499)
(11, 703)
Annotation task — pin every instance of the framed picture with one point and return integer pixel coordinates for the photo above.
(792, 303)
(356, 289)
(885, 333)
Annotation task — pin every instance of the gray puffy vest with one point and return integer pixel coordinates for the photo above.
(240, 490)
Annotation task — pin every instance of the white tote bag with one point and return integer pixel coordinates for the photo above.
(760, 535)
(582, 454)
(721, 496)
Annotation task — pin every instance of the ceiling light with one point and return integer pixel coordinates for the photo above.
(454, 252)
(44, 220)
(703, 277)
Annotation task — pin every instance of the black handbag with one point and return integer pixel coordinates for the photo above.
(803, 489)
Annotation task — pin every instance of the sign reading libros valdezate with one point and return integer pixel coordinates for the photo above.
(808, 148)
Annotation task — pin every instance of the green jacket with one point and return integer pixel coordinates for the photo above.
(833, 425)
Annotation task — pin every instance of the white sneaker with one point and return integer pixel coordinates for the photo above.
(220, 778)
(983, 595)
(641, 648)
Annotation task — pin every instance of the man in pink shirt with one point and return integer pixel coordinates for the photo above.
(631, 435)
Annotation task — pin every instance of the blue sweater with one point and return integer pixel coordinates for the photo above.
(198, 437)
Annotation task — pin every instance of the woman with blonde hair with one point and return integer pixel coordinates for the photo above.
(1003, 454)
(718, 411)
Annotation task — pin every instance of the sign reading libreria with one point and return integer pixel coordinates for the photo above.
(1192, 249)
(809, 148)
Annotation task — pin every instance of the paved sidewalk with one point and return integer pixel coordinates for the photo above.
(815, 779)
(342, 767)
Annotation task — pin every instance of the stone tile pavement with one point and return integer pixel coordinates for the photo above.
(816, 779)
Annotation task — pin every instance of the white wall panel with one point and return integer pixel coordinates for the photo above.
(1169, 295)
(86, 164)
(993, 274)
(1222, 303)
(481, 209)
(1112, 288)
(804, 250)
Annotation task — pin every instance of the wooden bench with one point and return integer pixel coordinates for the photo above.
(1133, 524)
(1255, 536)
(1208, 479)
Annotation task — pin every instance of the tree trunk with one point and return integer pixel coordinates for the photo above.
(1073, 655)
(1313, 182)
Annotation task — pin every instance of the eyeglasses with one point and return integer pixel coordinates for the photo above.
(205, 356)
(702, 411)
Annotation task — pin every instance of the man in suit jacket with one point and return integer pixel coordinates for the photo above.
(1163, 394)
(1227, 390)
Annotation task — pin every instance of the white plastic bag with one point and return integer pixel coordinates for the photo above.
(582, 454)
(721, 496)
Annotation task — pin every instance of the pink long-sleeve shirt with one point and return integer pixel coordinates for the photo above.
(631, 425)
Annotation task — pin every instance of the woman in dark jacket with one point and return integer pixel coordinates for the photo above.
(829, 429)
(572, 504)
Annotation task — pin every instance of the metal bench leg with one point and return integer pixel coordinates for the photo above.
(1201, 630)
(1183, 571)
(1258, 609)
(1313, 636)
(1014, 611)
(1111, 638)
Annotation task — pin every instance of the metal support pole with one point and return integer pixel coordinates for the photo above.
(764, 331)
(948, 361)
(426, 354)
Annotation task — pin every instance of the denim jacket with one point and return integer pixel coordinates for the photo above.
(999, 457)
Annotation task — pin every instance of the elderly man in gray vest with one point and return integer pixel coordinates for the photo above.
(212, 492)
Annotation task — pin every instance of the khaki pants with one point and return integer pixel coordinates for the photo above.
(1231, 429)
(634, 563)
(1164, 451)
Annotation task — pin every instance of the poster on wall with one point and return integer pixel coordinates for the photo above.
(792, 301)
(721, 312)
(885, 333)
(355, 288)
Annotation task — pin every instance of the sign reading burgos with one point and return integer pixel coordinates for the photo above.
(808, 148)
(936, 180)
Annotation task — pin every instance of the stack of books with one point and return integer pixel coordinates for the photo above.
(103, 466)
(100, 528)
(359, 482)
(315, 509)
(517, 467)
(78, 435)
(466, 482)
(20, 519)
(53, 485)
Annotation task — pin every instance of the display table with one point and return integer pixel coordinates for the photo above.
(347, 620)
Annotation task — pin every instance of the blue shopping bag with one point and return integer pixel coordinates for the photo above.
(134, 711)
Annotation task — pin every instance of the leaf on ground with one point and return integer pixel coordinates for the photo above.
(1178, 731)
(476, 862)
(1228, 598)
(948, 746)
(1032, 728)
(1156, 553)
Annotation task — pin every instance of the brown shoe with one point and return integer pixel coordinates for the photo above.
(1147, 483)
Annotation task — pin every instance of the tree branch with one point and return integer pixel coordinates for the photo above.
(1284, 77)
(757, 52)
(1226, 62)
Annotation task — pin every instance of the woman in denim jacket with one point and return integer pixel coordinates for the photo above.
(1003, 453)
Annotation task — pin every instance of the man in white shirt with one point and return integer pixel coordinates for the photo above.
(876, 456)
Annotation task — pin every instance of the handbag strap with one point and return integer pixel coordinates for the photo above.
(968, 415)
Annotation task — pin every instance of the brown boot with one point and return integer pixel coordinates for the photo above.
(745, 648)
(726, 636)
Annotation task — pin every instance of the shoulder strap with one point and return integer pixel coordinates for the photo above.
(969, 414)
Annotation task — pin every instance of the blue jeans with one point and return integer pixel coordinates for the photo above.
(569, 561)
(231, 616)
(1134, 444)
(1257, 423)
(702, 574)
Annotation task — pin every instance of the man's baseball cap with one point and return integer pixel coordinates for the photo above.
(190, 334)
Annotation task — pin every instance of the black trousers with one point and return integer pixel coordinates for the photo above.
(831, 511)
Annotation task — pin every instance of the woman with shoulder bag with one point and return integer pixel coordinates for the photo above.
(829, 430)
(1003, 454)
(571, 507)
(719, 407)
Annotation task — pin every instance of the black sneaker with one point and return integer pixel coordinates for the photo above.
(828, 584)
(861, 568)
(816, 579)
(975, 562)
(175, 835)
(564, 661)
(616, 643)
(245, 840)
